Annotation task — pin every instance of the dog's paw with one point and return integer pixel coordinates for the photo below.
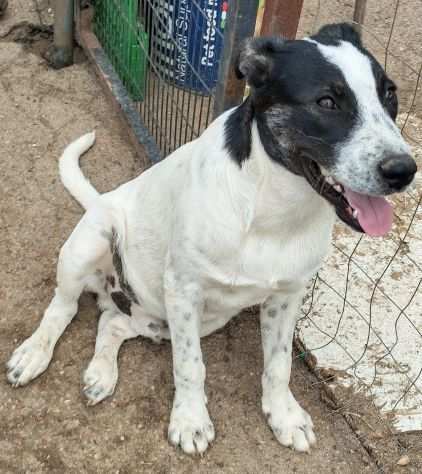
(290, 423)
(29, 360)
(190, 426)
(100, 379)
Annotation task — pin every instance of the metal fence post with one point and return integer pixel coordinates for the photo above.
(240, 25)
(281, 17)
(359, 14)
(61, 54)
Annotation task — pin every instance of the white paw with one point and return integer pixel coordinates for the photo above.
(29, 360)
(190, 426)
(290, 423)
(100, 379)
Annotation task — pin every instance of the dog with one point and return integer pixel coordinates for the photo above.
(241, 216)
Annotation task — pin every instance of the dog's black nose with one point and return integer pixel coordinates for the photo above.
(398, 170)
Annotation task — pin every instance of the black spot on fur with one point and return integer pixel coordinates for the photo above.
(122, 302)
(284, 306)
(155, 327)
(265, 328)
(107, 235)
(272, 313)
(187, 316)
(111, 280)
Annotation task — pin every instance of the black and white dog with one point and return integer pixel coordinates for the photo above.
(241, 216)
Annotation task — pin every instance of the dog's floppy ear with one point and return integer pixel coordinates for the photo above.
(255, 59)
(333, 33)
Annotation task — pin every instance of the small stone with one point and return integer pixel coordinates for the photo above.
(403, 461)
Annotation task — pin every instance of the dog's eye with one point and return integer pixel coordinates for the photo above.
(327, 103)
(390, 93)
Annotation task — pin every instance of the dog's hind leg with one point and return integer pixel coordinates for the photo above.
(80, 256)
(100, 377)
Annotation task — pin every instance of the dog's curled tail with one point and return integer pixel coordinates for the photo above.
(71, 174)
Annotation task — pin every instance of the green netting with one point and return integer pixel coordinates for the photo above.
(117, 27)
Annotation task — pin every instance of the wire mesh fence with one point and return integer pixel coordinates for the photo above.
(362, 315)
(167, 55)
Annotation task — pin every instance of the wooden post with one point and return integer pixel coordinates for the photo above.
(281, 18)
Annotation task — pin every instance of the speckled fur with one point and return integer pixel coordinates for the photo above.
(190, 243)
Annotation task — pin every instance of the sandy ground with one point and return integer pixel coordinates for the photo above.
(47, 427)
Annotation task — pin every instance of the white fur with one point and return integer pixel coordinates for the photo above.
(200, 239)
(71, 175)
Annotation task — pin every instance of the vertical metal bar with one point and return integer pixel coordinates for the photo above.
(281, 17)
(240, 25)
(61, 54)
(173, 111)
(196, 68)
(359, 14)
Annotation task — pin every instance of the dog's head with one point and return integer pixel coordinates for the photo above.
(326, 110)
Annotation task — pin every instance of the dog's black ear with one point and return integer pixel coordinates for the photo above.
(332, 34)
(255, 59)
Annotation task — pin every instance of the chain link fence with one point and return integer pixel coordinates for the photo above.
(362, 316)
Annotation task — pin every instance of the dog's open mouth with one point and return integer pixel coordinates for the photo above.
(372, 215)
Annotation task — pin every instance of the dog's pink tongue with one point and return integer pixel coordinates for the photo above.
(375, 214)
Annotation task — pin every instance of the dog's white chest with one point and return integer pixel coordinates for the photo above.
(261, 265)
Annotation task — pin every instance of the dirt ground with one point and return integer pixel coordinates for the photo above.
(46, 426)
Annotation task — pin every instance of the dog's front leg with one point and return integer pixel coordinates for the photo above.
(190, 425)
(291, 424)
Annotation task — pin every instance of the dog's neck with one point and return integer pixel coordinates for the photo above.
(273, 194)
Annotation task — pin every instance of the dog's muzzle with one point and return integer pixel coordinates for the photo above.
(372, 215)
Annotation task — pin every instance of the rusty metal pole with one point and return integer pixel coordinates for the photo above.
(281, 18)
(61, 54)
(240, 25)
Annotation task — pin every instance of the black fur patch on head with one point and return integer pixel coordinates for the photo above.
(254, 61)
(287, 80)
(290, 122)
(331, 35)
